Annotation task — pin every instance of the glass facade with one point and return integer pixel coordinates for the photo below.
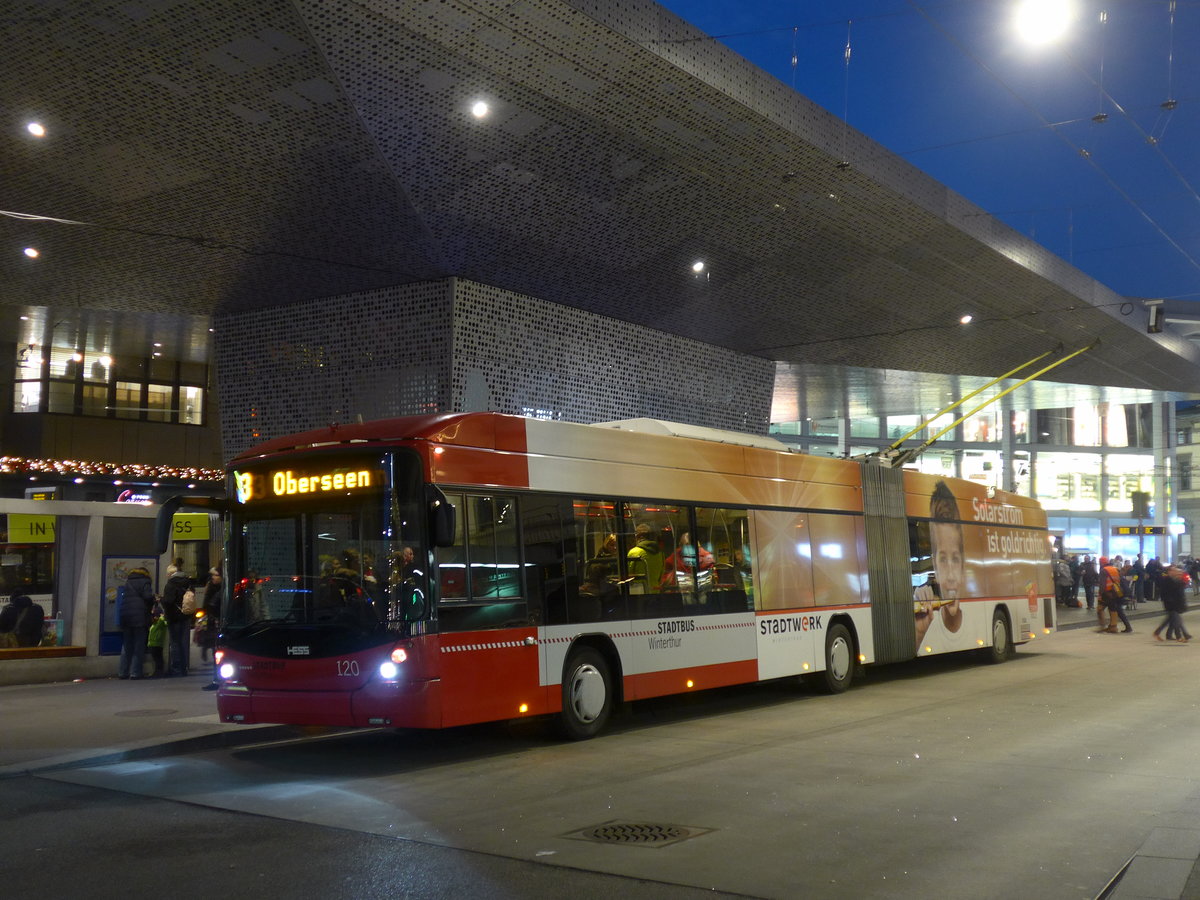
(72, 382)
(1082, 463)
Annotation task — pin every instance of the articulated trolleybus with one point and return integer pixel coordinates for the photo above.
(441, 570)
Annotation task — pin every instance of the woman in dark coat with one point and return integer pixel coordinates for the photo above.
(179, 623)
(134, 618)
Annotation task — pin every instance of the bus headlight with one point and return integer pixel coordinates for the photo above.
(388, 671)
(227, 671)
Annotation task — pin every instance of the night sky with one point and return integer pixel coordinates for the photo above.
(952, 88)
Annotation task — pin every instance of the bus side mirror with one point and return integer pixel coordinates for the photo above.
(441, 519)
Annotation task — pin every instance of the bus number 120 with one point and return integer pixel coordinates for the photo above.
(347, 667)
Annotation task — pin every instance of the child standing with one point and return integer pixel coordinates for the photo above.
(156, 641)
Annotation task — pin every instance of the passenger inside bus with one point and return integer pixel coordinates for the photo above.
(341, 595)
(645, 561)
(688, 569)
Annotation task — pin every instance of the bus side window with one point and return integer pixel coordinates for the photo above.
(545, 568)
(481, 583)
(492, 548)
(725, 535)
(596, 594)
(919, 553)
(651, 533)
(452, 560)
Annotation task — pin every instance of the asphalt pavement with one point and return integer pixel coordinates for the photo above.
(91, 722)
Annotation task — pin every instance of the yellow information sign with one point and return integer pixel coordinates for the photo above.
(189, 527)
(29, 529)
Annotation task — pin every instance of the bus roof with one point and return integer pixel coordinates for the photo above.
(489, 430)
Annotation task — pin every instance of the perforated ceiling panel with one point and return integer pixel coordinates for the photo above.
(233, 156)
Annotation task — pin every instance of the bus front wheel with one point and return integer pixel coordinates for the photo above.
(587, 696)
(839, 660)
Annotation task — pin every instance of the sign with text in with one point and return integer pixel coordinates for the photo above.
(1121, 530)
(29, 529)
(190, 527)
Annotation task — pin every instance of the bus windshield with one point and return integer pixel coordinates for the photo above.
(354, 561)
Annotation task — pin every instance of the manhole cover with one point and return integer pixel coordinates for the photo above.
(136, 713)
(637, 834)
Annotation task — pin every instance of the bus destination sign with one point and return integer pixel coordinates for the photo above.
(288, 484)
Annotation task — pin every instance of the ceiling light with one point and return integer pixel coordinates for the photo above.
(479, 109)
(698, 266)
(32, 252)
(36, 129)
(966, 320)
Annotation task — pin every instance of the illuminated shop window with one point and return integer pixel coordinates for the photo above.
(864, 428)
(1088, 426)
(27, 396)
(61, 396)
(191, 405)
(68, 381)
(983, 467)
(1022, 474)
(937, 462)
(1069, 481)
(1020, 425)
(1127, 475)
(158, 402)
(95, 399)
(128, 400)
(981, 428)
(898, 426)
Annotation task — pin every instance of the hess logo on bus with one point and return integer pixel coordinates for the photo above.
(286, 483)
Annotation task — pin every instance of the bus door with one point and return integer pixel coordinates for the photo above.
(489, 658)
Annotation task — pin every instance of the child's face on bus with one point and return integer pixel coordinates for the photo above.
(947, 545)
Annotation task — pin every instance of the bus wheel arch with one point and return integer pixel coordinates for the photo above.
(591, 680)
(1001, 647)
(841, 656)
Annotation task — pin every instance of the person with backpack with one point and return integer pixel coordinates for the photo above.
(1112, 598)
(179, 622)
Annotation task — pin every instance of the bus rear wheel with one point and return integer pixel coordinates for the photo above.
(587, 695)
(839, 660)
(1001, 648)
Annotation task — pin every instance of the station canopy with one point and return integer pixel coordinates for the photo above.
(215, 155)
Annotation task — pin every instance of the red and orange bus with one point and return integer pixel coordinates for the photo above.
(448, 569)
